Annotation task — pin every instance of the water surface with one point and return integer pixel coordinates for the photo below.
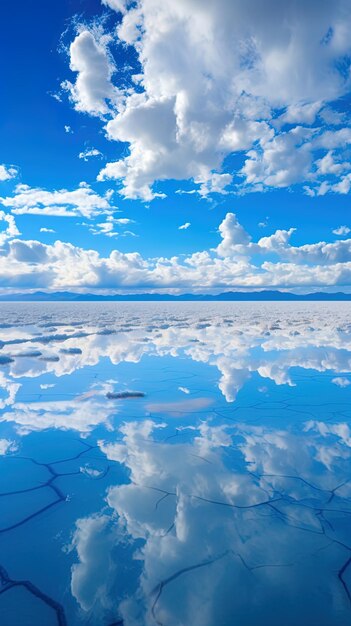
(183, 464)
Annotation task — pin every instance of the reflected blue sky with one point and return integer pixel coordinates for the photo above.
(220, 495)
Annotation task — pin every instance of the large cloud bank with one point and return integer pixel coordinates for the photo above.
(258, 79)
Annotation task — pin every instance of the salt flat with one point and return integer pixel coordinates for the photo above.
(152, 452)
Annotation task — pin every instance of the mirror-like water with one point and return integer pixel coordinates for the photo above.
(176, 464)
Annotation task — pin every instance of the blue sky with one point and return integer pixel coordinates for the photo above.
(123, 121)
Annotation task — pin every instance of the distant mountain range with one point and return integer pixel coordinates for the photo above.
(228, 296)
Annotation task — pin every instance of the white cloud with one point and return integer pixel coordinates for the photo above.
(88, 153)
(252, 71)
(341, 381)
(342, 230)
(7, 172)
(176, 539)
(184, 226)
(236, 262)
(213, 183)
(234, 237)
(123, 220)
(7, 446)
(328, 165)
(236, 243)
(184, 390)
(278, 242)
(10, 231)
(89, 57)
(63, 415)
(104, 228)
(9, 388)
(108, 227)
(68, 129)
(83, 201)
(117, 5)
(47, 230)
(299, 113)
(92, 578)
(281, 161)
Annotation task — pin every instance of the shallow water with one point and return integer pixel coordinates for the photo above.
(184, 464)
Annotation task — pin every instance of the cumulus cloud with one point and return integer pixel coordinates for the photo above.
(213, 183)
(9, 230)
(259, 80)
(237, 242)
(92, 577)
(281, 161)
(89, 58)
(175, 480)
(237, 261)
(184, 226)
(298, 113)
(117, 5)
(83, 201)
(63, 415)
(234, 236)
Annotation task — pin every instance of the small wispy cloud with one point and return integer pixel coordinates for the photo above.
(88, 154)
(108, 227)
(342, 230)
(341, 381)
(184, 390)
(264, 223)
(7, 172)
(184, 226)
